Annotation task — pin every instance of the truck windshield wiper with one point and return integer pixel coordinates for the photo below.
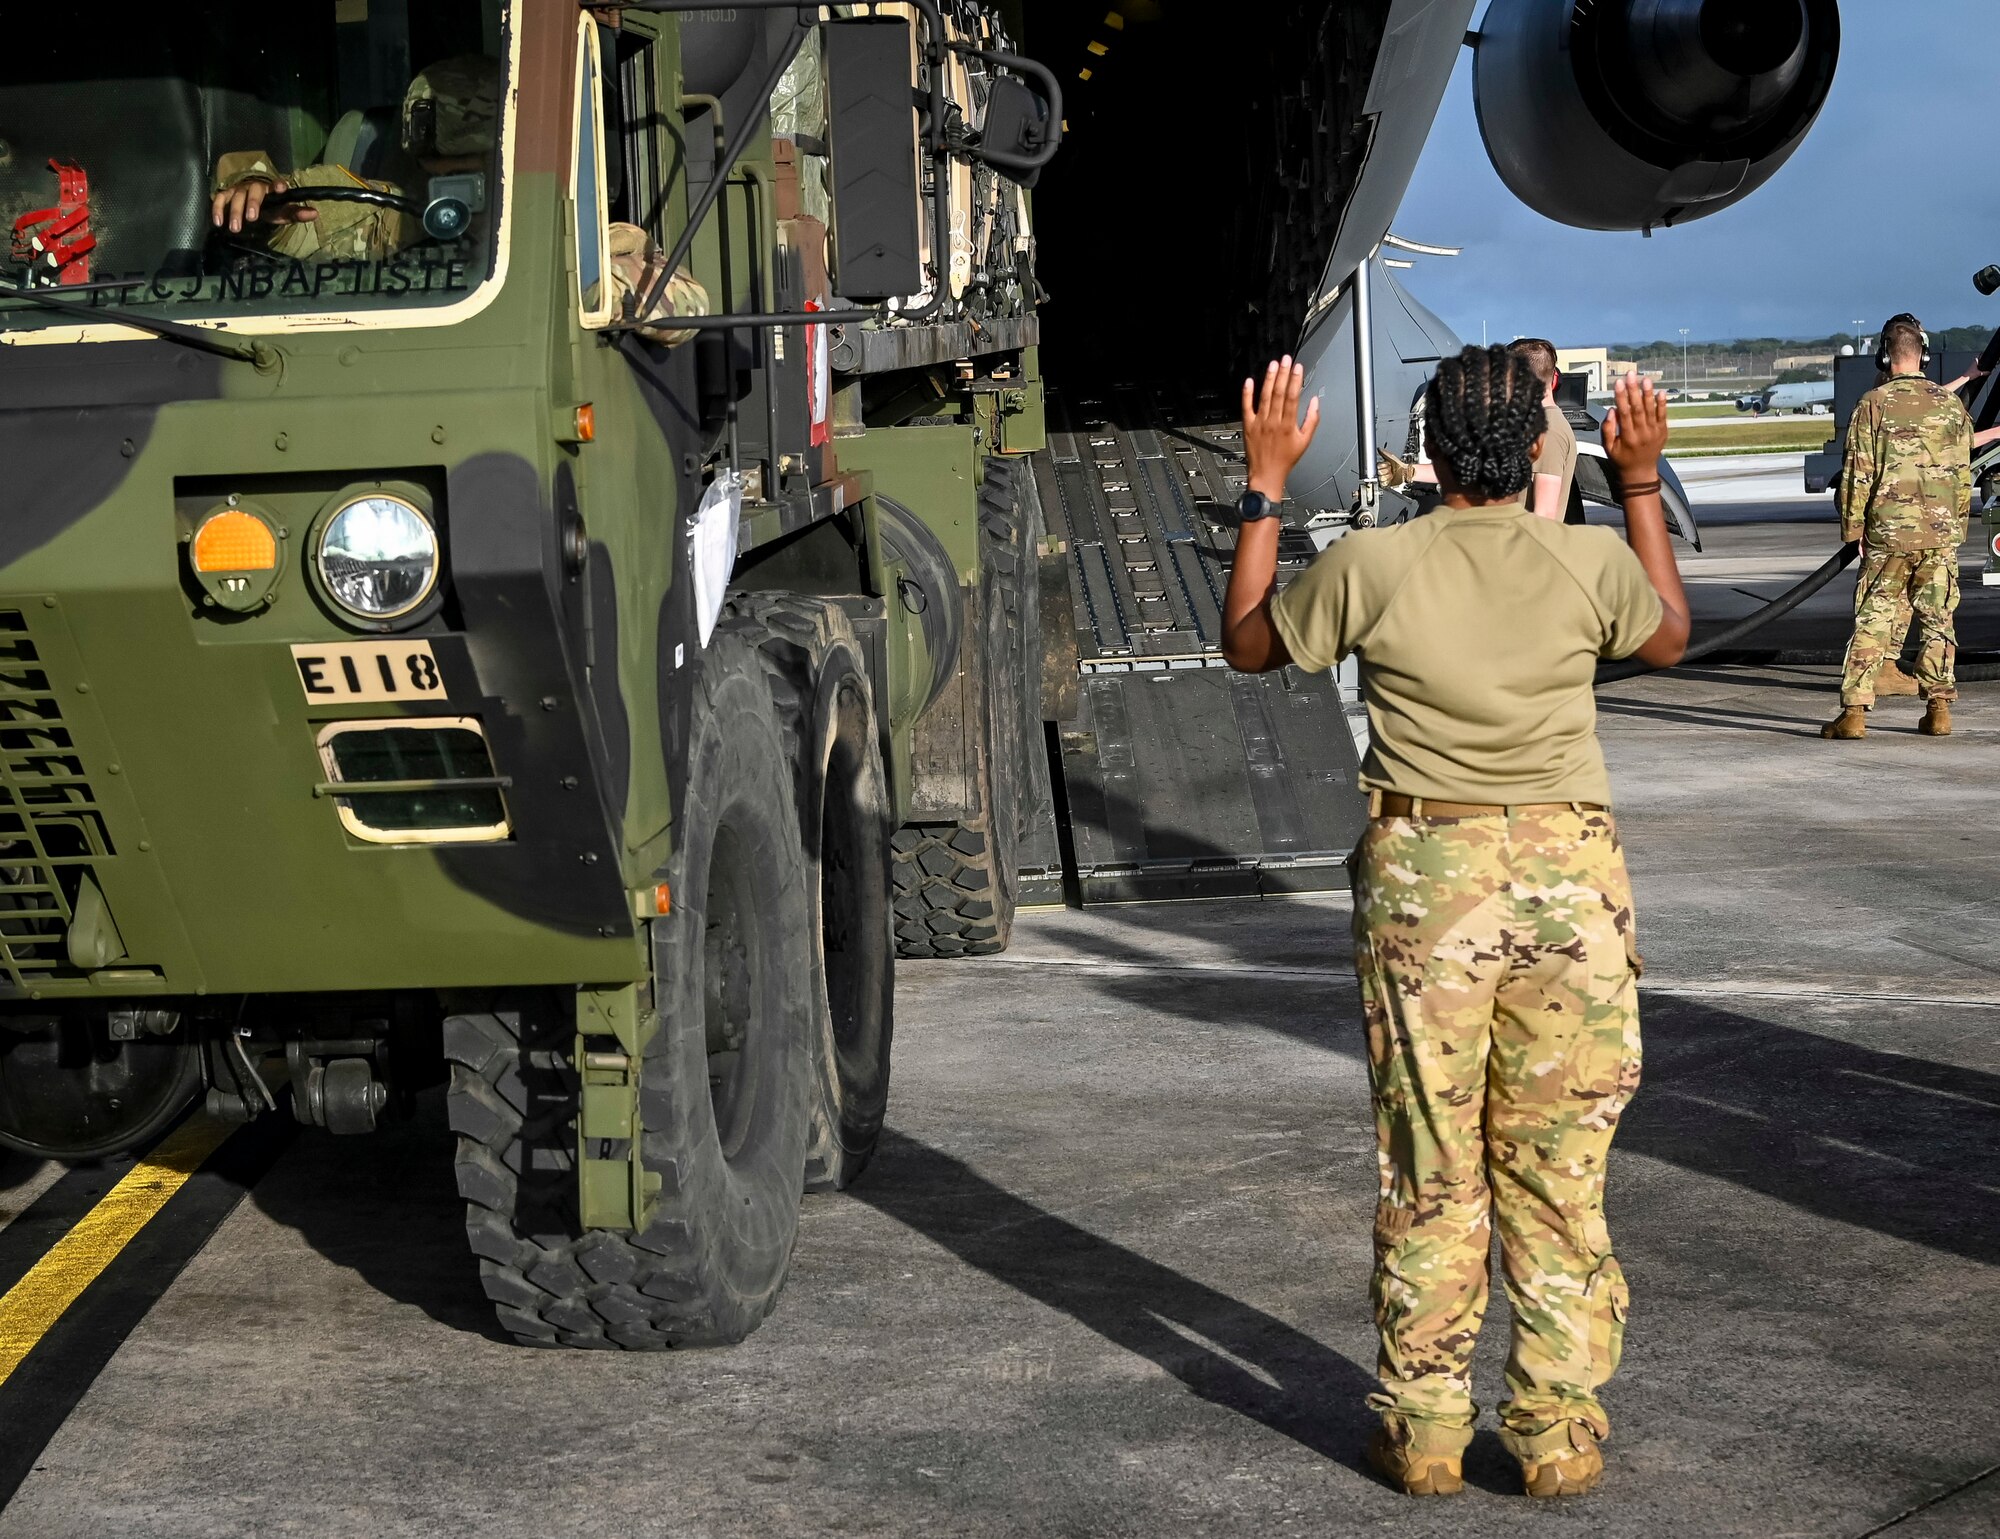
(260, 353)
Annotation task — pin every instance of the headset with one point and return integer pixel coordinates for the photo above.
(1882, 340)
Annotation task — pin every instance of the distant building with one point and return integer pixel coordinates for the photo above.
(1803, 361)
(1595, 364)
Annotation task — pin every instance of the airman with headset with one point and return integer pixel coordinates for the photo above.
(1905, 493)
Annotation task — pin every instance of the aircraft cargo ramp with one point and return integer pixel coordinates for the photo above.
(1180, 777)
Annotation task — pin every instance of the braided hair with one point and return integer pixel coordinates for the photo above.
(1483, 413)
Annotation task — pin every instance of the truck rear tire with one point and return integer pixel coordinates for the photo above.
(819, 679)
(726, 1086)
(955, 882)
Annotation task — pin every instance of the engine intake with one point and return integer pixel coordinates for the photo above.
(1626, 114)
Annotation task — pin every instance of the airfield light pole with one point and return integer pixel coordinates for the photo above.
(1684, 363)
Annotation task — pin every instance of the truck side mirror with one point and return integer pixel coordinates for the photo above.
(873, 147)
(1023, 125)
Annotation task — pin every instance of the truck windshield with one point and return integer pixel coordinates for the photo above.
(363, 134)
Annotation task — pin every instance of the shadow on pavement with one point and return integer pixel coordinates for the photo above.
(386, 1207)
(1701, 716)
(1225, 1351)
(1899, 1145)
(16, 1169)
(1818, 678)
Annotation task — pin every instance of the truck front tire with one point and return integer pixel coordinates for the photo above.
(727, 1082)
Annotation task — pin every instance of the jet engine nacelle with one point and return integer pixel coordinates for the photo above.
(1625, 114)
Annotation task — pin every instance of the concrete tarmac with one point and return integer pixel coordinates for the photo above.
(1108, 1275)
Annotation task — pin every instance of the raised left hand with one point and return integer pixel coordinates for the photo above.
(1635, 430)
(1274, 437)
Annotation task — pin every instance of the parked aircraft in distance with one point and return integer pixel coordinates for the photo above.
(1812, 396)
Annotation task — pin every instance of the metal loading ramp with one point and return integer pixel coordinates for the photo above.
(1181, 778)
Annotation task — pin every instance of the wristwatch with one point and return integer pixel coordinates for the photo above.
(1255, 505)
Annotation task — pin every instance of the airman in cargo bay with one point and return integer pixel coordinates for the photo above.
(449, 127)
(1905, 493)
(1493, 919)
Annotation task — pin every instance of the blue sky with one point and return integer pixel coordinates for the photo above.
(1892, 203)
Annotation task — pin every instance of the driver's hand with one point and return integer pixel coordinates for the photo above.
(244, 204)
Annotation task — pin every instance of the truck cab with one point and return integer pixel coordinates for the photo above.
(471, 619)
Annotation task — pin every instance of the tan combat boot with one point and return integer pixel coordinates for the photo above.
(1572, 1467)
(1851, 722)
(1937, 719)
(1891, 680)
(1415, 1470)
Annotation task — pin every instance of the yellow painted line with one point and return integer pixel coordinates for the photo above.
(38, 1300)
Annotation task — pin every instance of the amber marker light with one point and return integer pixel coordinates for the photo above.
(663, 899)
(234, 541)
(586, 423)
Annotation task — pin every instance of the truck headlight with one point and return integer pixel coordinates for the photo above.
(377, 557)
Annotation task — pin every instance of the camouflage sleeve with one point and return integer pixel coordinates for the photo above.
(634, 262)
(241, 166)
(1859, 470)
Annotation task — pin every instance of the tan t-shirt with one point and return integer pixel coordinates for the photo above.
(1479, 630)
(1558, 458)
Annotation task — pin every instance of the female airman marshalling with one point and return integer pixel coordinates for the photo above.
(1492, 911)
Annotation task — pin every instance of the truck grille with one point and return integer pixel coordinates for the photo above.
(52, 831)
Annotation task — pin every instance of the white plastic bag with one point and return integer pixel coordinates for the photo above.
(712, 548)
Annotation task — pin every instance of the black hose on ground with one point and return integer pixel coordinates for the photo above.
(1783, 605)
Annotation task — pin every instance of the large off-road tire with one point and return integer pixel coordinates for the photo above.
(955, 882)
(820, 682)
(727, 1079)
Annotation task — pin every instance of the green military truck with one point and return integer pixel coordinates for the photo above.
(547, 605)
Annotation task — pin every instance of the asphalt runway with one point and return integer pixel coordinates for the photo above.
(1109, 1273)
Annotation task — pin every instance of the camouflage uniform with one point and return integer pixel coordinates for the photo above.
(342, 232)
(1905, 492)
(636, 261)
(1498, 983)
(451, 110)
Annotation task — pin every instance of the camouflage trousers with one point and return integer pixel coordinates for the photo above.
(1498, 984)
(1894, 585)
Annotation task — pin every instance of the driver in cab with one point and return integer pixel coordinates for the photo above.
(449, 125)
